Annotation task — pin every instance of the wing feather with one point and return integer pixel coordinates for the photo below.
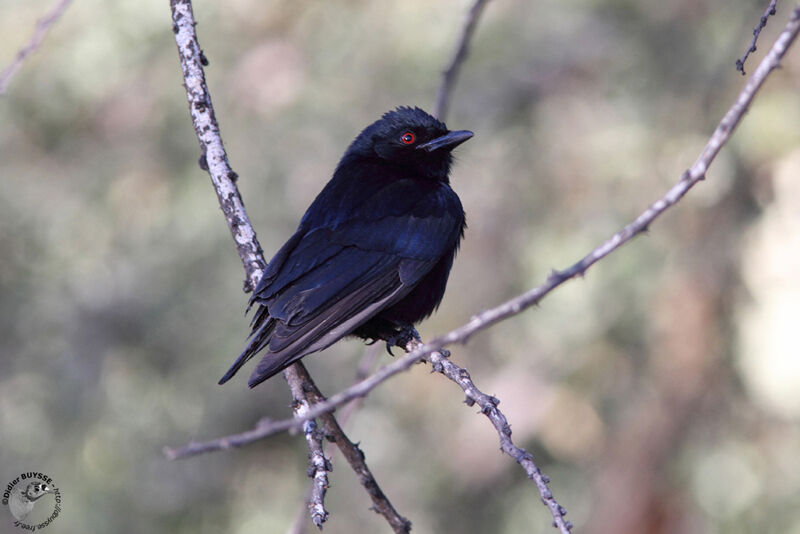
(335, 274)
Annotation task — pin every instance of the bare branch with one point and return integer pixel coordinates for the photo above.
(355, 457)
(234, 441)
(488, 405)
(318, 471)
(518, 304)
(362, 371)
(483, 320)
(43, 25)
(213, 158)
(450, 74)
(333, 432)
(215, 161)
(771, 8)
(319, 465)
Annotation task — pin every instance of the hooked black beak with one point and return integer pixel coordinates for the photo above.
(450, 140)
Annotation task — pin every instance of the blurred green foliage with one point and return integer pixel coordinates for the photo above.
(661, 393)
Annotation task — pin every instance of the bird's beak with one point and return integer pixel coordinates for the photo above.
(450, 140)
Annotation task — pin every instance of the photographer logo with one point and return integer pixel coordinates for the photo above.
(33, 500)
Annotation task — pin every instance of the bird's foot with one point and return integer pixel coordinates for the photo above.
(401, 337)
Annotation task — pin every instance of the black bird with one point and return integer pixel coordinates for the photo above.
(373, 252)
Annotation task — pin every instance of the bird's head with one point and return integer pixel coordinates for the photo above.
(410, 137)
(35, 490)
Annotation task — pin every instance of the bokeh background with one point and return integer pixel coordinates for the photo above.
(660, 394)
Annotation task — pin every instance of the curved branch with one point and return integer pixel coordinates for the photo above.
(488, 405)
(450, 74)
(355, 457)
(518, 304)
(353, 454)
(515, 306)
(215, 161)
(43, 26)
(771, 8)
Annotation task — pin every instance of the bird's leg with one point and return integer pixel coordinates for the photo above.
(394, 333)
(404, 333)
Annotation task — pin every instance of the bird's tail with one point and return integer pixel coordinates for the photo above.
(259, 339)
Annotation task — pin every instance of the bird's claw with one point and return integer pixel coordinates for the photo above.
(401, 337)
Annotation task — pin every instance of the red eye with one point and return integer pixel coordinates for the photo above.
(408, 138)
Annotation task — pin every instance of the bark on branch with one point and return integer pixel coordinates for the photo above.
(762, 23)
(515, 306)
(214, 160)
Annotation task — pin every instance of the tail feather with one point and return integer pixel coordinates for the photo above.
(271, 365)
(258, 340)
(292, 343)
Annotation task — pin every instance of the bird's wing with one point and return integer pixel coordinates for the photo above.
(333, 280)
(305, 250)
(308, 329)
(366, 252)
(301, 255)
(344, 265)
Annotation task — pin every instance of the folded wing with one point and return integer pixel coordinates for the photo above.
(327, 281)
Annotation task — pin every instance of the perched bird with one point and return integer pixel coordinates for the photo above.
(22, 500)
(373, 252)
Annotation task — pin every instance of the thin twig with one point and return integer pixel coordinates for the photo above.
(771, 8)
(215, 161)
(362, 371)
(333, 432)
(318, 464)
(450, 74)
(515, 306)
(488, 405)
(355, 457)
(518, 304)
(43, 25)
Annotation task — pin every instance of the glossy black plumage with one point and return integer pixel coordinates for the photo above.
(373, 252)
